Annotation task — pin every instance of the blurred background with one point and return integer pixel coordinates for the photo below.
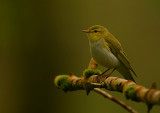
(40, 39)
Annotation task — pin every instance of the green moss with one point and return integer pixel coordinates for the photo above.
(62, 82)
(89, 72)
(130, 93)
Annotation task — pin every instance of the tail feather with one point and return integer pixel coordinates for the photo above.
(125, 72)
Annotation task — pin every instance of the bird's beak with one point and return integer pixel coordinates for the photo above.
(86, 31)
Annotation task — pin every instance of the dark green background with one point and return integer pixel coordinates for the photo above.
(40, 39)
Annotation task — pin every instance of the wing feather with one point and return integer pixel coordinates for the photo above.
(117, 50)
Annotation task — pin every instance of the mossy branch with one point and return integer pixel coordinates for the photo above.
(130, 89)
(90, 81)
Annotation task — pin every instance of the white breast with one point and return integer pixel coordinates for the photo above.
(102, 55)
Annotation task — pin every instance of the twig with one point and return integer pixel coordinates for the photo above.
(107, 95)
(92, 64)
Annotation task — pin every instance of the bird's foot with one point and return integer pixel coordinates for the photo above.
(103, 74)
(103, 77)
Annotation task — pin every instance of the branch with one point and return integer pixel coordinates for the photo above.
(107, 95)
(129, 88)
(91, 81)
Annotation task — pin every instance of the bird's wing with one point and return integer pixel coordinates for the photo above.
(117, 50)
(123, 58)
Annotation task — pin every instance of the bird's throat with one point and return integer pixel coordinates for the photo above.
(93, 38)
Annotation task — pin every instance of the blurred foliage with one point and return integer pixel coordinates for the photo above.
(42, 38)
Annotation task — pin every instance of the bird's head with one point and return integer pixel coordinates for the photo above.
(96, 32)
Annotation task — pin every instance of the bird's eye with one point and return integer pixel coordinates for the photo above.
(95, 31)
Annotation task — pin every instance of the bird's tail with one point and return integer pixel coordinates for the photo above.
(125, 72)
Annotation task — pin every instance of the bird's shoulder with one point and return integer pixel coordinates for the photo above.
(117, 49)
(113, 42)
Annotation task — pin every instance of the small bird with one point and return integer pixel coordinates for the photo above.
(107, 51)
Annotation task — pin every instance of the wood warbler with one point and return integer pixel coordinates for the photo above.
(107, 51)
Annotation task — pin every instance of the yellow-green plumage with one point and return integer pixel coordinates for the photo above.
(107, 51)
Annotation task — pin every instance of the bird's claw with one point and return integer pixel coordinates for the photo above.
(103, 77)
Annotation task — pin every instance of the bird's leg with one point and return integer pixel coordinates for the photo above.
(105, 71)
(106, 76)
(103, 76)
(112, 71)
